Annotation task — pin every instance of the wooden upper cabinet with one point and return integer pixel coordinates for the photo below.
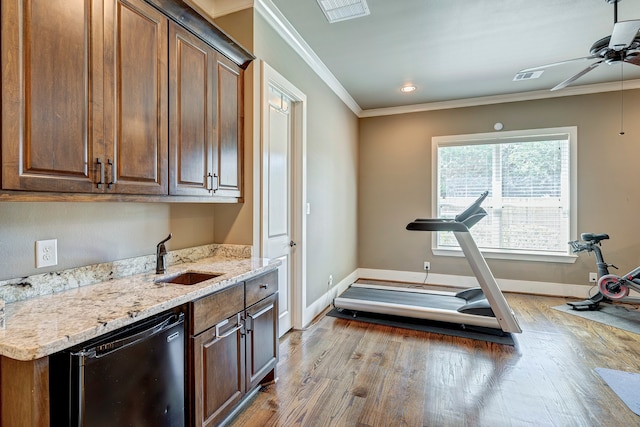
(192, 112)
(84, 96)
(230, 127)
(205, 119)
(51, 105)
(92, 88)
(136, 98)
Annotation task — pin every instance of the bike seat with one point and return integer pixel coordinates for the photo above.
(593, 238)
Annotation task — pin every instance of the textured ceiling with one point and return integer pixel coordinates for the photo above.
(458, 49)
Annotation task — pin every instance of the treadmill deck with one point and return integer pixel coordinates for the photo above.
(406, 297)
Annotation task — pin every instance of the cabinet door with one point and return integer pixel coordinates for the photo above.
(51, 94)
(218, 371)
(192, 112)
(136, 98)
(262, 340)
(230, 129)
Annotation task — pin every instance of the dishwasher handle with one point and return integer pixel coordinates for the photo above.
(106, 348)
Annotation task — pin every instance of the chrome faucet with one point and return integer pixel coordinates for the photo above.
(161, 252)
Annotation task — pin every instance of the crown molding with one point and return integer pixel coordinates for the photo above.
(283, 27)
(501, 99)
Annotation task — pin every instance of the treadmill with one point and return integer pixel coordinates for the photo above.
(477, 308)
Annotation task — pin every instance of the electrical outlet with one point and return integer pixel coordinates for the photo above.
(46, 253)
(427, 265)
(593, 277)
(330, 281)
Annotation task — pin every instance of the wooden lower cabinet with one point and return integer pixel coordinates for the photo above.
(262, 340)
(24, 392)
(219, 371)
(231, 356)
(232, 350)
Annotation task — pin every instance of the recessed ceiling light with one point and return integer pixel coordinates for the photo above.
(407, 89)
(341, 10)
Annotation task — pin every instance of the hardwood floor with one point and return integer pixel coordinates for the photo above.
(349, 373)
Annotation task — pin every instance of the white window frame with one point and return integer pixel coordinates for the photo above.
(572, 131)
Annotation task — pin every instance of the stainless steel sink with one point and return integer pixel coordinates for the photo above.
(188, 278)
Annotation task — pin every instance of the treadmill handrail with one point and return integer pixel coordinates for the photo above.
(462, 222)
(436, 224)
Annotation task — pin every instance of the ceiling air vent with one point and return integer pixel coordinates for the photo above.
(341, 10)
(528, 75)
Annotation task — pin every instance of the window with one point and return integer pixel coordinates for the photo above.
(530, 176)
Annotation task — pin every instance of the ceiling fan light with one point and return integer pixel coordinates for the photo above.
(341, 10)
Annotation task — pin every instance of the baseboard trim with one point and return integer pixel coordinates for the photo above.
(319, 305)
(507, 285)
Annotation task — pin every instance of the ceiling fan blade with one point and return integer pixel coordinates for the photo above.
(577, 76)
(553, 64)
(624, 33)
(633, 59)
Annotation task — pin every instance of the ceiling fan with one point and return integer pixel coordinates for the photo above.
(623, 45)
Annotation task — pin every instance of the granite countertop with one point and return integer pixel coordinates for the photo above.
(46, 324)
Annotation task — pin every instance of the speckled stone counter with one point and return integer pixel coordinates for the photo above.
(45, 324)
(22, 288)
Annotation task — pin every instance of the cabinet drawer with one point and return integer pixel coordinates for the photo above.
(216, 307)
(261, 287)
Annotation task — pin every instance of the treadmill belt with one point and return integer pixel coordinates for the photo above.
(444, 302)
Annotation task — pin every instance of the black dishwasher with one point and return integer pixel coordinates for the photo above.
(131, 377)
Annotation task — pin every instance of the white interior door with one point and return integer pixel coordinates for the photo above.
(283, 198)
(278, 189)
(283, 195)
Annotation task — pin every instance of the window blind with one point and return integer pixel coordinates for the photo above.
(529, 182)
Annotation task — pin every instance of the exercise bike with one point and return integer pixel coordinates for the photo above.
(610, 286)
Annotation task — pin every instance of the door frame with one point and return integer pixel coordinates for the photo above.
(298, 214)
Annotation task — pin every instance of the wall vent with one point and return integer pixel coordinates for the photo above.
(341, 10)
(528, 75)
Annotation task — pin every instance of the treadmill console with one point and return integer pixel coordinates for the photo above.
(472, 209)
(462, 222)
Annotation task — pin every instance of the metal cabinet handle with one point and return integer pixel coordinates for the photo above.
(217, 187)
(264, 286)
(229, 332)
(209, 183)
(99, 163)
(113, 173)
(254, 316)
(232, 331)
(260, 313)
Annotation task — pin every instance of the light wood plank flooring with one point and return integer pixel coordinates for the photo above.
(349, 373)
